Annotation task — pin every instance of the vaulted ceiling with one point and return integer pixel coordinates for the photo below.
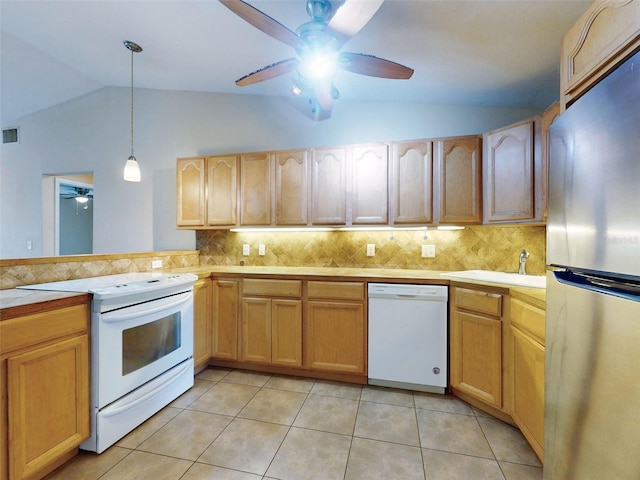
(471, 52)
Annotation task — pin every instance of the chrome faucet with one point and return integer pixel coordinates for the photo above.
(523, 262)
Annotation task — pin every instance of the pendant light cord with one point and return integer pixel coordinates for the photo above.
(132, 102)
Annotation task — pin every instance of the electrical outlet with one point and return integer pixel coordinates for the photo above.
(371, 249)
(261, 249)
(428, 251)
(246, 250)
(156, 263)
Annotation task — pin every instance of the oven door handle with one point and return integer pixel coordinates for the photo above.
(119, 408)
(127, 313)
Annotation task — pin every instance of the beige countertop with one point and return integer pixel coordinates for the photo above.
(15, 302)
(536, 296)
(367, 274)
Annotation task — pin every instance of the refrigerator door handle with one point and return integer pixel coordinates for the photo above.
(618, 287)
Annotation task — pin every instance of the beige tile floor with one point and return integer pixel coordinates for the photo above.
(240, 425)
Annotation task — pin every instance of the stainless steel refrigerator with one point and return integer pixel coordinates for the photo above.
(592, 363)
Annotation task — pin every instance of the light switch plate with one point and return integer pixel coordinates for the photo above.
(371, 249)
(156, 263)
(261, 249)
(428, 251)
(246, 250)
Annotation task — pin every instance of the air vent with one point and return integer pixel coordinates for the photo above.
(10, 135)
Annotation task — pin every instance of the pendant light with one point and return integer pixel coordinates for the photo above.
(131, 168)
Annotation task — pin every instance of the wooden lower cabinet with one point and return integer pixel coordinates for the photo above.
(226, 317)
(44, 390)
(497, 356)
(202, 322)
(478, 363)
(476, 340)
(335, 327)
(528, 332)
(271, 327)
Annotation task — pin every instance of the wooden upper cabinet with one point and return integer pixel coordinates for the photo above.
(291, 187)
(222, 190)
(256, 188)
(606, 34)
(190, 189)
(329, 186)
(369, 195)
(411, 182)
(548, 118)
(459, 172)
(510, 168)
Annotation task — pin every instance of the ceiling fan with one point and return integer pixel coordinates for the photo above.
(317, 44)
(80, 194)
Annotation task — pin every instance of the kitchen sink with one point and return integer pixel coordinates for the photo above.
(532, 281)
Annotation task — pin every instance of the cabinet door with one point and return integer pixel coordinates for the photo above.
(329, 187)
(476, 356)
(369, 196)
(460, 180)
(255, 334)
(222, 190)
(291, 187)
(224, 339)
(607, 33)
(190, 189)
(509, 174)
(255, 188)
(286, 332)
(412, 183)
(335, 336)
(202, 323)
(548, 117)
(48, 400)
(528, 388)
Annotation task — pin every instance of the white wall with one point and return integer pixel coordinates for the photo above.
(91, 133)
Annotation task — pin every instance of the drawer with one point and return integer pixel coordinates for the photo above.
(529, 319)
(272, 288)
(336, 290)
(42, 327)
(479, 301)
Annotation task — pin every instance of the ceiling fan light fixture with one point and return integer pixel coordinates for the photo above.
(82, 199)
(319, 66)
(131, 168)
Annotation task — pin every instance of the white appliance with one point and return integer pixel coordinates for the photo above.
(408, 336)
(141, 348)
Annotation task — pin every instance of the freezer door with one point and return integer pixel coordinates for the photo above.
(594, 178)
(592, 387)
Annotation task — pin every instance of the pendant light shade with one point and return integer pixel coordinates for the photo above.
(131, 168)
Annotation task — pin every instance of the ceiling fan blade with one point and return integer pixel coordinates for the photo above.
(373, 66)
(351, 17)
(270, 71)
(264, 22)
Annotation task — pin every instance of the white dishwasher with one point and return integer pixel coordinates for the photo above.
(408, 336)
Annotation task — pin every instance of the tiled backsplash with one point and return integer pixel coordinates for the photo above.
(14, 273)
(475, 247)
